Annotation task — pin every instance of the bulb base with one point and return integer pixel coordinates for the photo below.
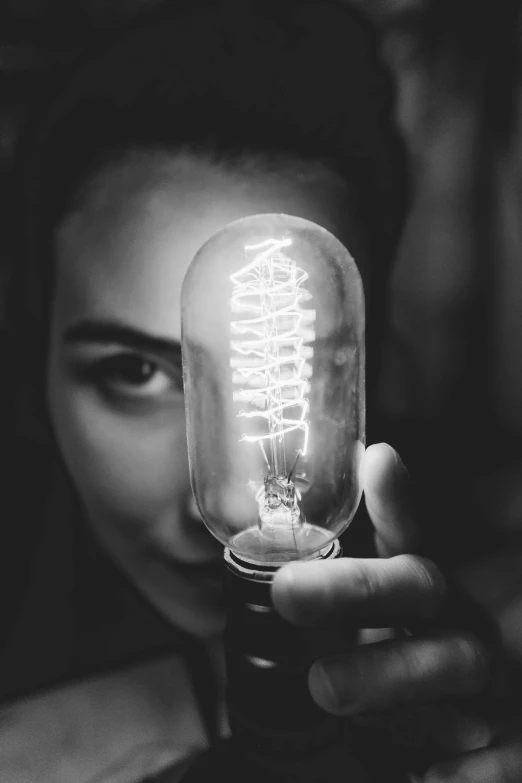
(274, 720)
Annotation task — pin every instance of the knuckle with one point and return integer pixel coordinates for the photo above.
(510, 763)
(361, 581)
(414, 661)
(475, 663)
(493, 766)
(428, 575)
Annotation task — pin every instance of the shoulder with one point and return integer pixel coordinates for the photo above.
(117, 728)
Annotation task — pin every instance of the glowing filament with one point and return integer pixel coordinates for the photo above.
(269, 354)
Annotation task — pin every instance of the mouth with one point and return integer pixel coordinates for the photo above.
(192, 551)
(197, 529)
(212, 566)
(208, 563)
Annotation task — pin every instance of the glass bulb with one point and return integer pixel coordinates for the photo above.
(273, 357)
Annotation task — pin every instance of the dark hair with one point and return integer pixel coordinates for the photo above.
(273, 77)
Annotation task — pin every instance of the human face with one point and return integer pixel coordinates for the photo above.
(114, 381)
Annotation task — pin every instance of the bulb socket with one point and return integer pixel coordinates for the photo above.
(272, 715)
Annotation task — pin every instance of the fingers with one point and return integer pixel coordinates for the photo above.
(376, 593)
(498, 764)
(387, 496)
(387, 674)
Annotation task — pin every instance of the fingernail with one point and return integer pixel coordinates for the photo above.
(322, 689)
(325, 690)
(393, 453)
(401, 471)
(442, 773)
(300, 592)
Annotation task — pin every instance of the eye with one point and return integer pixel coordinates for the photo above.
(133, 376)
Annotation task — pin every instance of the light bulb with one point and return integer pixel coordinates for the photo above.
(273, 358)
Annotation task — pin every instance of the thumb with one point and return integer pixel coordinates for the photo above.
(387, 495)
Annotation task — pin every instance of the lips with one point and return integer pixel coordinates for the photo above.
(213, 567)
(196, 530)
(197, 552)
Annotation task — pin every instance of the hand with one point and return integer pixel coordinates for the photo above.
(443, 670)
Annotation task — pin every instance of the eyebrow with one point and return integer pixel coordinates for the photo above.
(108, 332)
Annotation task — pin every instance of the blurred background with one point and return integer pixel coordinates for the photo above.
(450, 391)
(452, 377)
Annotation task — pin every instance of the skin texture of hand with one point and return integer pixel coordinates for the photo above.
(457, 278)
(442, 670)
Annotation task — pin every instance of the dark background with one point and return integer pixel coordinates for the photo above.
(451, 387)
(452, 377)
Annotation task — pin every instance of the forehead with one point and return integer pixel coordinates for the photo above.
(124, 253)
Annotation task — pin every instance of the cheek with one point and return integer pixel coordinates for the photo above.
(125, 466)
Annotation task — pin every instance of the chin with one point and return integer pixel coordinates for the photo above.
(211, 629)
(192, 599)
(202, 623)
